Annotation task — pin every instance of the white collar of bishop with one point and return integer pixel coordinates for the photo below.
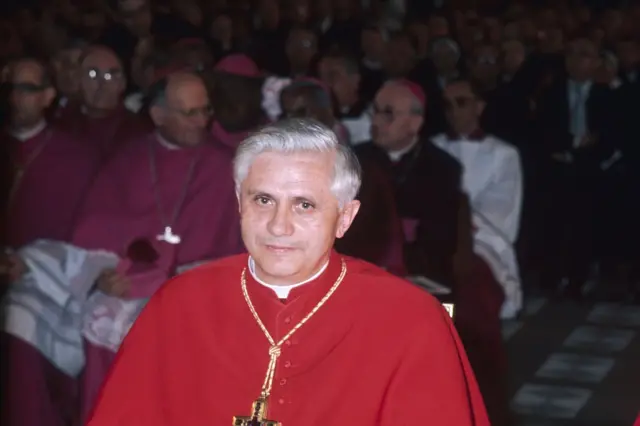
(26, 134)
(395, 156)
(282, 291)
(165, 143)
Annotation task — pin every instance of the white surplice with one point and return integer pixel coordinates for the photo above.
(493, 181)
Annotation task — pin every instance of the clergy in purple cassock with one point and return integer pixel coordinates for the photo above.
(102, 120)
(173, 187)
(52, 172)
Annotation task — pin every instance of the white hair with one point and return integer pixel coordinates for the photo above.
(301, 135)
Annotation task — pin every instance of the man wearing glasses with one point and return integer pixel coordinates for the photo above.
(51, 172)
(170, 191)
(102, 120)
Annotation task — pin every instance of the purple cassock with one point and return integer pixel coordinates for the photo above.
(183, 201)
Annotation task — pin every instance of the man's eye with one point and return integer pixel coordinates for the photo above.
(306, 205)
(262, 200)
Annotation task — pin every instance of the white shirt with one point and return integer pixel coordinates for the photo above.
(492, 179)
(395, 156)
(359, 128)
(282, 291)
(578, 93)
(165, 143)
(26, 134)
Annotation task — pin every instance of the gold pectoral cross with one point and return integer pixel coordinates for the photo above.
(259, 410)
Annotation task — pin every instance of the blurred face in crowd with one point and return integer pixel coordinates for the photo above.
(189, 11)
(222, 29)
(373, 44)
(612, 23)
(102, 80)
(302, 46)
(551, 41)
(269, 12)
(30, 95)
(463, 108)
(438, 26)
(628, 55)
(513, 56)
(581, 60)
(420, 33)
(343, 83)
(445, 58)
(136, 15)
(300, 11)
(397, 118)
(67, 72)
(400, 57)
(306, 102)
(511, 31)
(493, 28)
(608, 69)
(183, 117)
(485, 67)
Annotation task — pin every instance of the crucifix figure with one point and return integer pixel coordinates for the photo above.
(259, 410)
(169, 236)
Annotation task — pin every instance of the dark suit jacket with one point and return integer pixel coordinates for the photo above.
(426, 184)
(553, 121)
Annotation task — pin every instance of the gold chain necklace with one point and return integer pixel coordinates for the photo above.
(259, 409)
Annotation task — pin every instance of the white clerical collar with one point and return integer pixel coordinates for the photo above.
(26, 134)
(282, 291)
(165, 143)
(397, 155)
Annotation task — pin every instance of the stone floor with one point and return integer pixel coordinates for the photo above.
(575, 365)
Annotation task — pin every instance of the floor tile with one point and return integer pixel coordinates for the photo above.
(609, 313)
(509, 328)
(550, 401)
(576, 368)
(599, 339)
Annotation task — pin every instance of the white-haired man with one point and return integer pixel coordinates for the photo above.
(322, 339)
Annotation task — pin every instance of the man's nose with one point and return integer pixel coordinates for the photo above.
(280, 223)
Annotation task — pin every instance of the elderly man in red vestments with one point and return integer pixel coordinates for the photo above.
(172, 188)
(293, 333)
(53, 171)
(102, 121)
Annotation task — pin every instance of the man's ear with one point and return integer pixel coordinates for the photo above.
(347, 215)
(49, 95)
(416, 122)
(158, 115)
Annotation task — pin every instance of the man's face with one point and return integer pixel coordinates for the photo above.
(28, 98)
(485, 67)
(462, 107)
(400, 57)
(581, 60)
(394, 123)
(629, 56)
(301, 48)
(67, 72)
(445, 58)
(373, 44)
(513, 56)
(334, 74)
(102, 81)
(289, 215)
(136, 16)
(187, 112)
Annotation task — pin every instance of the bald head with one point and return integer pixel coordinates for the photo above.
(181, 109)
(31, 92)
(102, 80)
(397, 116)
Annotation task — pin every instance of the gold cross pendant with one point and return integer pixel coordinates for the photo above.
(259, 410)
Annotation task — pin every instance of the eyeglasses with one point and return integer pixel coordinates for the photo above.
(25, 87)
(458, 102)
(388, 114)
(105, 75)
(206, 111)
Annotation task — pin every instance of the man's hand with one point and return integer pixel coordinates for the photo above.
(12, 266)
(113, 283)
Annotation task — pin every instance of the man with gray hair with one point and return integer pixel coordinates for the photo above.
(309, 336)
